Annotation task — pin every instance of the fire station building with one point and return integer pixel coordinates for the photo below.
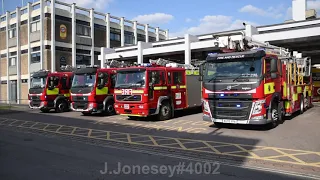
(49, 34)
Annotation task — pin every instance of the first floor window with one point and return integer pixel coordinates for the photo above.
(35, 57)
(12, 61)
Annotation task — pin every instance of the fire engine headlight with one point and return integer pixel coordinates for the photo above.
(90, 106)
(141, 106)
(116, 105)
(257, 107)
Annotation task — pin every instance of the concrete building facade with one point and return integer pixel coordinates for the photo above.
(48, 34)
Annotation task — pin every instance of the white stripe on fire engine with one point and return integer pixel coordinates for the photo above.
(228, 92)
(133, 91)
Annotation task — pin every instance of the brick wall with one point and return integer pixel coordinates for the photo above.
(47, 59)
(24, 34)
(3, 96)
(24, 93)
(47, 29)
(3, 66)
(3, 40)
(24, 64)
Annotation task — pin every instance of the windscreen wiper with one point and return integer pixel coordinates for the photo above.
(215, 78)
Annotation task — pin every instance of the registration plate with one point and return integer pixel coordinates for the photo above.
(126, 106)
(230, 121)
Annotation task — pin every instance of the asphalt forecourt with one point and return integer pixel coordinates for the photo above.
(191, 126)
(265, 156)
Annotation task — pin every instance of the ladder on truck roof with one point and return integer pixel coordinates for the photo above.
(238, 43)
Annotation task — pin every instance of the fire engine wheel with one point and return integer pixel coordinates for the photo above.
(307, 102)
(301, 104)
(61, 106)
(276, 115)
(165, 111)
(109, 109)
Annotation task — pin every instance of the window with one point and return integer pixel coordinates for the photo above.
(24, 22)
(83, 60)
(12, 61)
(115, 37)
(35, 57)
(152, 39)
(12, 31)
(154, 77)
(113, 80)
(3, 19)
(141, 37)
(35, 26)
(83, 30)
(36, 49)
(128, 37)
(177, 77)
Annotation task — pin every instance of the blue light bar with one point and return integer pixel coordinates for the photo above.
(238, 105)
(211, 54)
(146, 64)
(221, 95)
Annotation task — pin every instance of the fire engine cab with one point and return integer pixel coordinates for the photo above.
(156, 88)
(92, 90)
(254, 83)
(51, 90)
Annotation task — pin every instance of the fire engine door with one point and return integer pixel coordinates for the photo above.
(157, 86)
(178, 89)
(272, 79)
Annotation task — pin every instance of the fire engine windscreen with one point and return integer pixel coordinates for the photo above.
(83, 80)
(129, 79)
(38, 82)
(232, 69)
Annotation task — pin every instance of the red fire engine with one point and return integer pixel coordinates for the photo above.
(51, 90)
(92, 90)
(316, 84)
(157, 88)
(256, 84)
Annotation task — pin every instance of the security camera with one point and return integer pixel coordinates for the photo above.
(244, 24)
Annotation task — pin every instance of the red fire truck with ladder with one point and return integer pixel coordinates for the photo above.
(156, 88)
(51, 90)
(92, 90)
(254, 83)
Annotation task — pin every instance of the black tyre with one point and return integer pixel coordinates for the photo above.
(276, 115)
(61, 106)
(307, 102)
(109, 108)
(165, 111)
(301, 111)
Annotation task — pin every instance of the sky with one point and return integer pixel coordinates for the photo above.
(190, 16)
